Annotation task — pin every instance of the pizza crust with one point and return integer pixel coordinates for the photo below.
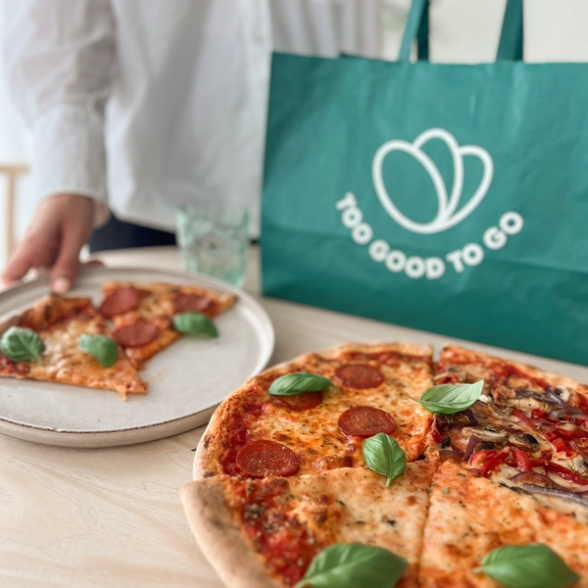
(346, 505)
(557, 380)
(220, 539)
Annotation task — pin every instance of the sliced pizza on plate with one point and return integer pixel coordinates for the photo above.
(43, 343)
(143, 313)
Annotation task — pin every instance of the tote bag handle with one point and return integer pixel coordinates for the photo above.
(417, 27)
(510, 47)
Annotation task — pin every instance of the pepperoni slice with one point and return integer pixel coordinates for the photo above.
(267, 458)
(120, 301)
(359, 376)
(136, 335)
(365, 421)
(302, 401)
(191, 303)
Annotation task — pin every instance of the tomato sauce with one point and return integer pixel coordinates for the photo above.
(286, 545)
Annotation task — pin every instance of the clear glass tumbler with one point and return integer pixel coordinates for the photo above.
(214, 240)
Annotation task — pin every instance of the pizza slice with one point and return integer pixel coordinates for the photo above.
(528, 429)
(374, 387)
(59, 323)
(142, 313)
(265, 533)
(469, 516)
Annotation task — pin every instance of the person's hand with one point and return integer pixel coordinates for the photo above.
(60, 227)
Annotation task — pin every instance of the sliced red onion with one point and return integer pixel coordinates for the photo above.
(556, 493)
(549, 391)
(470, 447)
(440, 422)
(470, 415)
(567, 412)
(536, 479)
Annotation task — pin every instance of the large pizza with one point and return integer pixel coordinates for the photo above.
(369, 465)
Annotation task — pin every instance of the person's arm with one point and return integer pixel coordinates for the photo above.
(60, 58)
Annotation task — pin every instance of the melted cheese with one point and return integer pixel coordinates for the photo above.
(314, 434)
(64, 362)
(469, 516)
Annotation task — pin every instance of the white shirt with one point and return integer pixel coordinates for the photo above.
(146, 104)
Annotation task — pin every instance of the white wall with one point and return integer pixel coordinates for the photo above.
(15, 148)
(462, 31)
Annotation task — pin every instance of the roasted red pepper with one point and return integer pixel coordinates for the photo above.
(571, 434)
(480, 458)
(566, 474)
(494, 462)
(522, 460)
(561, 446)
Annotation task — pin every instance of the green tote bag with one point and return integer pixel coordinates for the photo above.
(448, 198)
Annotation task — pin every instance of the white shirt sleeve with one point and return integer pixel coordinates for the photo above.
(60, 58)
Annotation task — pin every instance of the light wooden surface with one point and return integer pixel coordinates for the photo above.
(112, 517)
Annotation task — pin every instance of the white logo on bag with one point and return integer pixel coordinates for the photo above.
(471, 254)
(446, 215)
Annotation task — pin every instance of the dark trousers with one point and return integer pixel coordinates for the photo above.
(116, 234)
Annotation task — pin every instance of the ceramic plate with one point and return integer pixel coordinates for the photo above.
(186, 381)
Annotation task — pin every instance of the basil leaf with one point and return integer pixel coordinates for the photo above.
(298, 383)
(194, 323)
(528, 566)
(351, 565)
(102, 347)
(19, 344)
(383, 456)
(451, 398)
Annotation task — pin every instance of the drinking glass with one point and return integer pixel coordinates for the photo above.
(214, 240)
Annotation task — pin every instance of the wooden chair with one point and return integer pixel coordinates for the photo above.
(12, 172)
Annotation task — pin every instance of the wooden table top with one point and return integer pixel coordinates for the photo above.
(77, 518)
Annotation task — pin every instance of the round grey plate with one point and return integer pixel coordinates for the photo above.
(187, 380)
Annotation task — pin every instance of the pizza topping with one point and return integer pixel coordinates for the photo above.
(19, 344)
(473, 442)
(537, 480)
(191, 303)
(267, 458)
(298, 383)
(526, 441)
(101, 347)
(359, 376)
(485, 433)
(121, 301)
(522, 460)
(383, 455)
(331, 462)
(194, 323)
(365, 421)
(557, 493)
(136, 334)
(566, 474)
(348, 565)
(451, 398)
(579, 466)
(514, 565)
(299, 401)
